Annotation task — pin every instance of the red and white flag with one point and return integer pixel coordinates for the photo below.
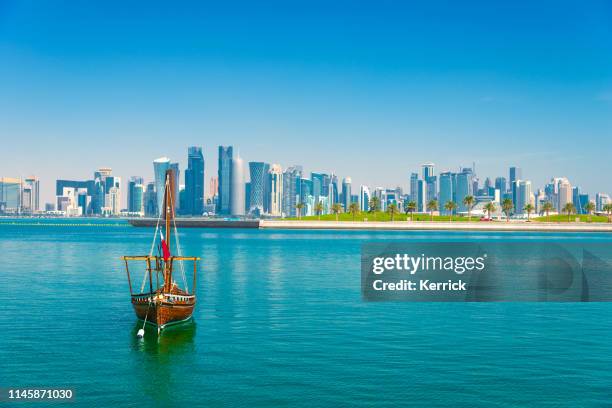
(165, 248)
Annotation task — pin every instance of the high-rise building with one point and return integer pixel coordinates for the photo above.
(428, 171)
(226, 154)
(447, 190)
(421, 200)
(150, 201)
(523, 195)
(601, 199)
(515, 174)
(346, 193)
(259, 174)
(136, 195)
(30, 201)
(160, 166)
(364, 198)
(237, 187)
(317, 185)
(291, 190)
(213, 187)
(10, 195)
(500, 184)
(100, 190)
(194, 182)
(464, 188)
(276, 190)
(565, 194)
(414, 186)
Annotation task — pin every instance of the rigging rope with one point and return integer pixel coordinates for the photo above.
(178, 245)
(144, 278)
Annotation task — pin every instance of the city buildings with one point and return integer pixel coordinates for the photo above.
(260, 187)
(226, 154)
(276, 190)
(194, 182)
(136, 195)
(237, 187)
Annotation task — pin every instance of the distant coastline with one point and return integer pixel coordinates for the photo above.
(383, 225)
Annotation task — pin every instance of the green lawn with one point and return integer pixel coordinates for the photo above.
(563, 218)
(381, 216)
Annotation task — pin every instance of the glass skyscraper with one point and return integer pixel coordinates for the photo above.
(135, 194)
(226, 154)
(194, 182)
(291, 190)
(464, 188)
(259, 174)
(447, 190)
(346, 193)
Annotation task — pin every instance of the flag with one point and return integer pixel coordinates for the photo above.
(165, 248)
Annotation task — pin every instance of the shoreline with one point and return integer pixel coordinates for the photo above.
(384, 225)
(437, 226)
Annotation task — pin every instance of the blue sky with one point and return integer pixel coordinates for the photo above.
(365, 89)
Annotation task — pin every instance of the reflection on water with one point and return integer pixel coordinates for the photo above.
(172, 340)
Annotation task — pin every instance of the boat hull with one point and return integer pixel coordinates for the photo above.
(162, 313)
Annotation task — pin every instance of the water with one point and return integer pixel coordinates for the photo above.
(280, 321)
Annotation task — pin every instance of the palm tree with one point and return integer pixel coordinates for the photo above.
(547, 207)
(318, 209)
(589, 208)
(336, 209)
(528, 209)
(432, 206)
(608, 209)
(299, 207)
(392, 210)
(569, 209)
(469, 202)
(374, 205)
(354, 209)
(507, 207)
(410, 208)
(450, 206)
(490, 208)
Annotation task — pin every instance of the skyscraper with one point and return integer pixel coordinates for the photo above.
(500, 184)
(464, 188)
(447, 190)
(414, 186)
(291, 190)
(30, 201)
(523, 195)
(10, 194)
(194, 182)
(364, 198)
(276, 190)
(515, 174)
(226, 154)
(421, 200)
(259, 174)
(565, 193)
(346, 193)
(601, 199)
(150, 201)
(160, 166)
(237, 187)
(135, 195)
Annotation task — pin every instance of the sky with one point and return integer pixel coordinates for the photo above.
(369, 90)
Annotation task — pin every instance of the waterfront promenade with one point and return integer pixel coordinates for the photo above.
(384, 225)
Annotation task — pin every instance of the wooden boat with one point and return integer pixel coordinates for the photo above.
(165, 302)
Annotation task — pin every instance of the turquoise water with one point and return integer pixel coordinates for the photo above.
(280, 321)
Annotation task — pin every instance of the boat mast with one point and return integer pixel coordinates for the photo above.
(169, 201)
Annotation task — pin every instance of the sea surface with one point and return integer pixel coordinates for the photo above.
(281, 322)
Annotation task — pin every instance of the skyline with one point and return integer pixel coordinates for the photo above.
(148, 176)
(370, 94)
